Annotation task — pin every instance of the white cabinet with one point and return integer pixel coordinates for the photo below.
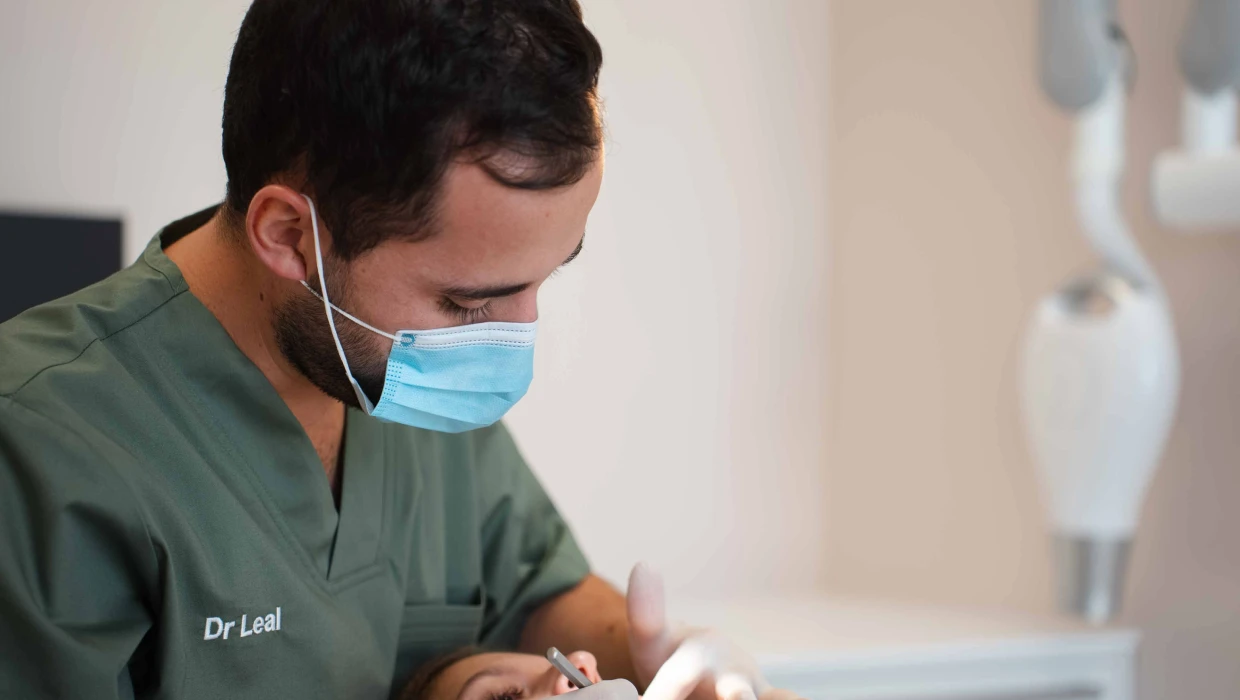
(839, 649)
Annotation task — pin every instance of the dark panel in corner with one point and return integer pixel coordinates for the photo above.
(46, 257)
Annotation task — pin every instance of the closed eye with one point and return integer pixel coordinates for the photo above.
(465, 314)
(576, 251)
(513, 693)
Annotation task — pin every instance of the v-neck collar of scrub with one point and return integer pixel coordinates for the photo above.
(270, 444)
(361, 496)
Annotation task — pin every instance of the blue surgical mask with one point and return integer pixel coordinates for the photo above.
(447, 379)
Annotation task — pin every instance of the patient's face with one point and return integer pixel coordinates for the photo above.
(508, 676)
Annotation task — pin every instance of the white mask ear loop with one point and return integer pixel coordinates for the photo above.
(350, 316)
(328, 306)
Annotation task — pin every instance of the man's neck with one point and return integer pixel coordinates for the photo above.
(243, 296)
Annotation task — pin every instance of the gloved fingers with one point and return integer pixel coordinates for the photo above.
(734, 686)
(617, 689)
(778, 694)
(681, 673)
(651, 639)
(647, 609)
(677, 659)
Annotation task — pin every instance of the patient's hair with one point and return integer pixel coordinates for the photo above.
(420, 683)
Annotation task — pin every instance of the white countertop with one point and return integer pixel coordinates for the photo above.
(790, 626)
(826, 646)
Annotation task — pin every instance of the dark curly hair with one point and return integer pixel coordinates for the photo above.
(365, 103)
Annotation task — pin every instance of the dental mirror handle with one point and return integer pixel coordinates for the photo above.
(563, 665)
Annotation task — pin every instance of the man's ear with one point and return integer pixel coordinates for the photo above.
(279, 230)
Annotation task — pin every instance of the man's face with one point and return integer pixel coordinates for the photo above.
(493, 248)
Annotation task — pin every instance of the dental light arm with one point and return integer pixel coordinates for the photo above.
(1101, 369)
(1209, 50)
(1077, 54)
(1083, 66)
(1196, 186)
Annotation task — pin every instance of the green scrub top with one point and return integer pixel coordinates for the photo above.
(168, 531)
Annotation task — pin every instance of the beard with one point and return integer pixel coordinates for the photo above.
(305, 340)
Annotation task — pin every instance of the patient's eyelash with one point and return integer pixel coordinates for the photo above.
(465, 314)
(513, 693)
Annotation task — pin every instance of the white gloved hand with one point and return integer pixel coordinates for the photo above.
(618, 689)
(677, 661)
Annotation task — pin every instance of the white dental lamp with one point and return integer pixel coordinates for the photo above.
(1101, 368)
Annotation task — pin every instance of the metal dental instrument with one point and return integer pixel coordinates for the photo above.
(563, 665)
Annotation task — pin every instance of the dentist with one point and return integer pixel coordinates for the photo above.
(264, 460)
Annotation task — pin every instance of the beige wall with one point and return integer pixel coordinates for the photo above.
(949, 218)
(680, 401)
(114, 107)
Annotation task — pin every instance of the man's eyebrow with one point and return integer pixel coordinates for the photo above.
(480, 676)
(506, 290)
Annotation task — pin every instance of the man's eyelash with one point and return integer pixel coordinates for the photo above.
(465, 314)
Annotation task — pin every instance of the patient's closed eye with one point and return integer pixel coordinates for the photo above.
(513, 693)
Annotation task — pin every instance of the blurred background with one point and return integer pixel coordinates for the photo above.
(787, 362)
